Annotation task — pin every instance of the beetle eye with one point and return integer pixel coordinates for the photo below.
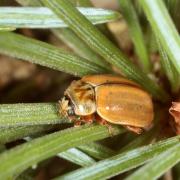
(70, 112)
(70, 107)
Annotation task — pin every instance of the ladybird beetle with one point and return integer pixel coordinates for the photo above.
(108, 99)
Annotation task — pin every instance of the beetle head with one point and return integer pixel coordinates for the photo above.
(78, 100)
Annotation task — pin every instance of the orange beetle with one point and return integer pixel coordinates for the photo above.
(108, 98)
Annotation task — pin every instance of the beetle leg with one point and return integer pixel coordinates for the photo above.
(103, 122)
(73, 119)
(82, 120)
(77, 123)
(87, 119)
(134, 129)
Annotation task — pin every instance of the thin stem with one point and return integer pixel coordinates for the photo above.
(97, 41)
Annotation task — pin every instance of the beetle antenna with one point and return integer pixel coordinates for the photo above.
(63, 106)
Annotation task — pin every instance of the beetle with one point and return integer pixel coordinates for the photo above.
(108, 99)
